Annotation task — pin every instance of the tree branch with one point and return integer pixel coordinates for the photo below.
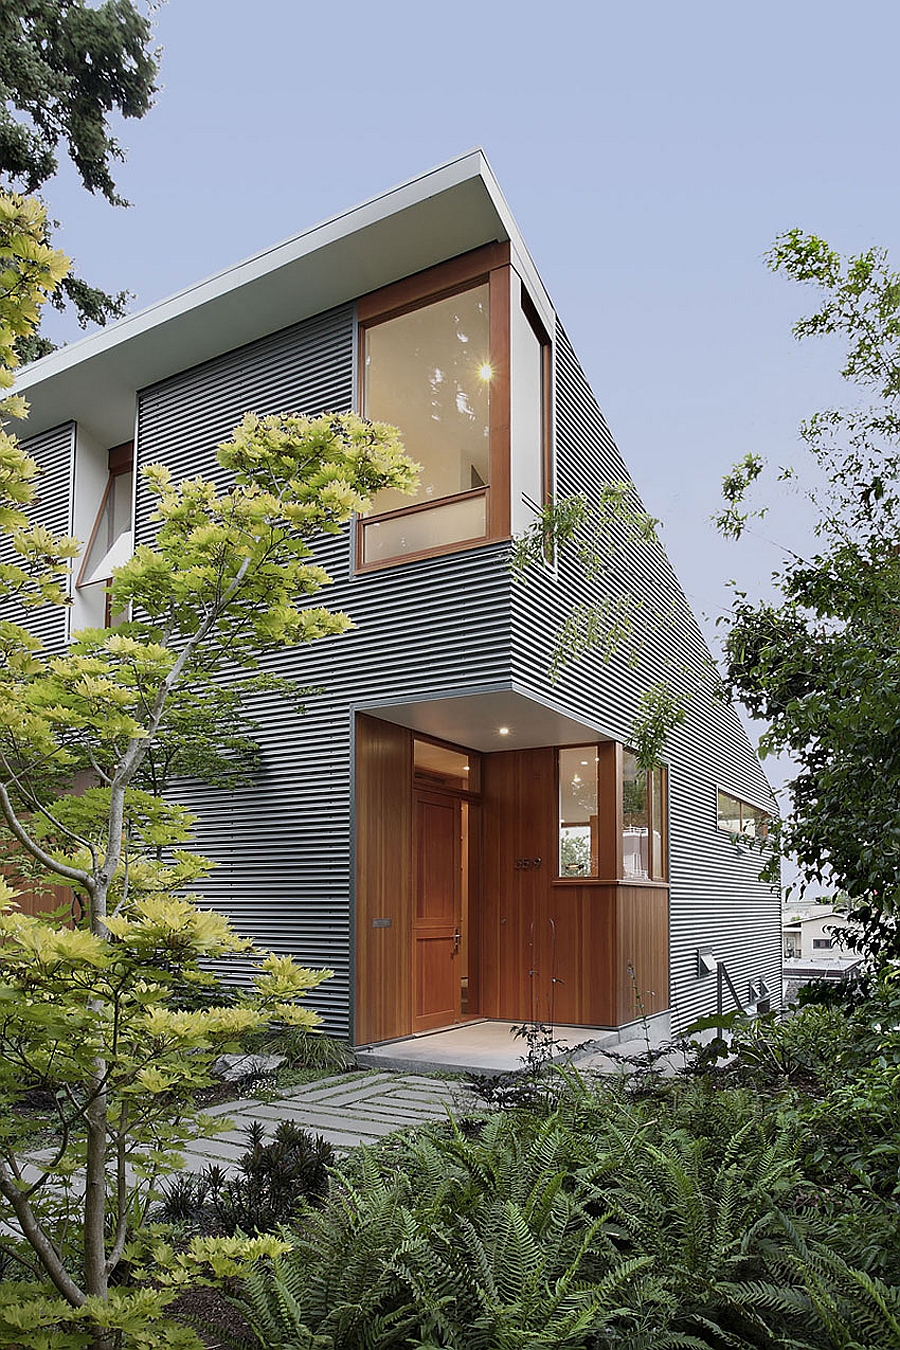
(39, 1240)
(33, 847)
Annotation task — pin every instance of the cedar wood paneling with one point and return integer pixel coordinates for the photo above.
(551, 950)
(383, 890)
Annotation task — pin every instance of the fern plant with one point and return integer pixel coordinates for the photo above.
(677, 1221)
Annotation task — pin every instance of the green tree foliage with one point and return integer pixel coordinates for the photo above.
(89, 1027)
(66, 68)
(820, 664)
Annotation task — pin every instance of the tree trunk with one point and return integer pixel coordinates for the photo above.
(96, 1279)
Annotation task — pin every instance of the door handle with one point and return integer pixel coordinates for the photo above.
(456, 941)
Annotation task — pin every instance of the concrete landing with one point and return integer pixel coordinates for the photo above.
(477, 1047)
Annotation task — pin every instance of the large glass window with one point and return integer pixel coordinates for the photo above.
(450, 522)
(578, 812)
(643, 821)
(429, 372)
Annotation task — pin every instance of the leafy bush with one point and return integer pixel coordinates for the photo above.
(673, 1221)
(848, 993)
(810, 1048)
(275, 1182)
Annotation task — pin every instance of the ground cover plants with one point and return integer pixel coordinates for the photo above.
(742, 1206)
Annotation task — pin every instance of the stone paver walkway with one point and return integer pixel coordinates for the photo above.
(349, 1109)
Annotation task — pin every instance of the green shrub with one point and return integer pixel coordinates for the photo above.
(274, 1184)
(304, 1049)
(810, 1048)
(673, 1221)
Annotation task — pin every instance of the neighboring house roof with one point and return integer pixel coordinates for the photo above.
(797, 920)
(811, 966)
(450, 210)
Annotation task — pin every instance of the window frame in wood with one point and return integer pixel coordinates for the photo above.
(120, 460)
(658, 774)
(761, 817)
(488, 265)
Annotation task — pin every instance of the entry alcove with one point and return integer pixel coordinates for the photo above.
(530, 944)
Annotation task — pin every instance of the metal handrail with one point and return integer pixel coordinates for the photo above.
(723, 978)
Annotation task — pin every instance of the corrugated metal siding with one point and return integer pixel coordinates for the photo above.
(52, 508)
(284, 845)
(306, 369)
(716, 898)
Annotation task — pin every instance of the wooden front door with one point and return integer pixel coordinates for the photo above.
(437, 909)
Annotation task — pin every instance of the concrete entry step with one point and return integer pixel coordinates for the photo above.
(478, 1047)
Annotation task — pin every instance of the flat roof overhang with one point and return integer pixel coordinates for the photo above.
(439, 215)
(473, 720)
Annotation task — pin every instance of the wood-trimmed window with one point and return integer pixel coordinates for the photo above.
(447, 768)
(434, 360)
(613, 822)
(579, 811)
(644, 822)
(737, 817)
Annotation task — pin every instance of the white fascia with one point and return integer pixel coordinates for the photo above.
(450, 210)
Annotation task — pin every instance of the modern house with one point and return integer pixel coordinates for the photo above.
(454, 831)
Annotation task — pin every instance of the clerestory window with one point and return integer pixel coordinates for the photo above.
(738, 817)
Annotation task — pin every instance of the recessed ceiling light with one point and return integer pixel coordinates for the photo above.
(504, 731)
(485, 372)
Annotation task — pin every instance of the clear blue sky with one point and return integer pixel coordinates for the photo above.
(650, 153)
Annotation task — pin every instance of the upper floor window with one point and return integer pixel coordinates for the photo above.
(430, 373)
(111, 541)
(434, 357)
